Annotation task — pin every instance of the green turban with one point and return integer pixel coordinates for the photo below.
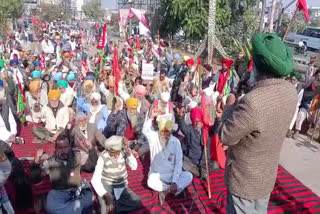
(71, 76)
(271, 55)
(62, 83)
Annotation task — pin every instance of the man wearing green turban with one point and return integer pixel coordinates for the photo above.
(256, 129)
(67, 94)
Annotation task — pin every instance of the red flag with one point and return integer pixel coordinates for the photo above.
(35, 21)
(71, 53)
(302, 5)
(206, 107)
(137, 42)
(96, 25)
(43, 26)
(8, 35)
(116, 69)
(43, 61)
(103, 38)
(250, 67)
(217, 151)
(84, 65)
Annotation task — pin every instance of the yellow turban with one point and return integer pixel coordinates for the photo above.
(34, 85)
(88, 83)
(54, 94)
(132, 103)
(165, 125)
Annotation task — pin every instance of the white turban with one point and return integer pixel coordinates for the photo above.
(114, 142)
(96, 96)
(165, 96)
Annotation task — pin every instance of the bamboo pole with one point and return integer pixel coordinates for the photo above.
(207, 170)
(290, 24)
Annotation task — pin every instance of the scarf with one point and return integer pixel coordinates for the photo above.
(222, 81)
(4, 109)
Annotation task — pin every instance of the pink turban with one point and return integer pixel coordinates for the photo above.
(140, 90)
(195, 115)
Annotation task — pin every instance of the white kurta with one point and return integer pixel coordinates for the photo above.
(166, 162)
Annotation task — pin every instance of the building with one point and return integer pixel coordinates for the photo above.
(149, 6)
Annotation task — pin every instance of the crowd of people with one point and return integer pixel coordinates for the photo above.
(100, 121)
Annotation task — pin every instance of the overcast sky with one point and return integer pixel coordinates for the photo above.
(311, 3)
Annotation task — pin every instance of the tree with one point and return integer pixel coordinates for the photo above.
(52, 12)
(93, 9)
(12, 9)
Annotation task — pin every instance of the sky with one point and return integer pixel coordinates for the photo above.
(311, 3)
(109, 4)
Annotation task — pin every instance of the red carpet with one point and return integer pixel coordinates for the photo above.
(288, 196)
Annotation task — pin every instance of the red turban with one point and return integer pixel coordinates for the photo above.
(227, 62)
(190, 62)
(196, 115)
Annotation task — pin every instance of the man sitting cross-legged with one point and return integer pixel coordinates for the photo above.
(110, 177)
(56, 118)
(165, 175)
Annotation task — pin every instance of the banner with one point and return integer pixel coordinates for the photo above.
(147, 71)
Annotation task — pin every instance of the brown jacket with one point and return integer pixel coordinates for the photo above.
(255, 133)
(93, 135)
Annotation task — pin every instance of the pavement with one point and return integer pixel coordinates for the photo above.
(302, 159)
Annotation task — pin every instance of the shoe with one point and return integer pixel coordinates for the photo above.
(162, 198)
(289, 133)
(296, 135)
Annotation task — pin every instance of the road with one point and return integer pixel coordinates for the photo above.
(302, 160)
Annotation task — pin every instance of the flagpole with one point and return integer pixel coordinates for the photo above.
(290, 24)
(207, 170)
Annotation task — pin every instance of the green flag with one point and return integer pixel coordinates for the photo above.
(21, 106)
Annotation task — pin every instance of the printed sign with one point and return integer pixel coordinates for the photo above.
(147, 71)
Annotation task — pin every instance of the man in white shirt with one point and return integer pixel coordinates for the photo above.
(165, 175)
(47, 45)
(110, 177)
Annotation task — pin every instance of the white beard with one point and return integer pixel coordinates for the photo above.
(95, 109)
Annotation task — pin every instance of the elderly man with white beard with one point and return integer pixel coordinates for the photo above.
(88, 140)
(165, 175)
(98, 113)
(128, 123)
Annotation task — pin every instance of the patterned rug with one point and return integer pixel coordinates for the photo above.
(289, 194)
